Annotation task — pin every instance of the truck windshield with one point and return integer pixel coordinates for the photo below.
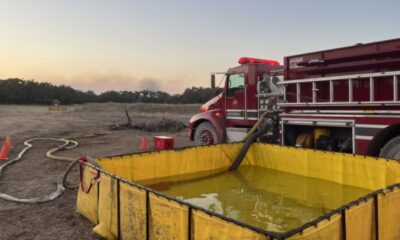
(235, 83)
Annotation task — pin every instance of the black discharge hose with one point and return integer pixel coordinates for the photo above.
(266, 124)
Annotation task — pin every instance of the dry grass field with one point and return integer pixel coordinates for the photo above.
(36, 175)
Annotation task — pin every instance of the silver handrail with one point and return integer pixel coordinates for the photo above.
(331, 80)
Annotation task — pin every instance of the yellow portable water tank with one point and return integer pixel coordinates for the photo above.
(117, 196)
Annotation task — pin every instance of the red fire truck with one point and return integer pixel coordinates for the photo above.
(343, 99)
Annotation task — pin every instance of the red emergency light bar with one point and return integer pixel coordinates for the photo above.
(247, 60)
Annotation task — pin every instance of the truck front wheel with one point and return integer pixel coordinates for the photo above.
(205, 134)
(391, 150)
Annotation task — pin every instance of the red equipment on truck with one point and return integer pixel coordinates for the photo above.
(343, 99)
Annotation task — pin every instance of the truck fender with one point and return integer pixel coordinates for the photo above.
(215, 117)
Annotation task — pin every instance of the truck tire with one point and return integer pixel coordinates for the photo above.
(391, 150)
(205, 134)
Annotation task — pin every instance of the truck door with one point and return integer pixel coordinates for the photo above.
(236, 97)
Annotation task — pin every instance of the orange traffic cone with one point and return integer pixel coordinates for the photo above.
(143, 143)
(4, 149)
(8, 141)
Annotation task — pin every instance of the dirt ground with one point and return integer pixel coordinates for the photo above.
(36, 175)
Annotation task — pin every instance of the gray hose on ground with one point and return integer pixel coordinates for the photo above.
(61, 181)
(73, 161)
(66, 173)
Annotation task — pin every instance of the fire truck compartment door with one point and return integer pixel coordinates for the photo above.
(318, 122)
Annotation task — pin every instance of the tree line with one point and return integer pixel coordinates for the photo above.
(19, 91)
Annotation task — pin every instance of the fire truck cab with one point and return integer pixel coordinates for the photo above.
(247, 93)
(343, 99)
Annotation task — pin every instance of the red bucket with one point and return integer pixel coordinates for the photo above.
(163, 142)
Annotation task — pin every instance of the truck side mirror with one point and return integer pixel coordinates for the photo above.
(213, 81)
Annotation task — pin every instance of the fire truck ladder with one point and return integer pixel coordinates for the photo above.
(331, 97)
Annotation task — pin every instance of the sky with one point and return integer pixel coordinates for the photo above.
(170, 45)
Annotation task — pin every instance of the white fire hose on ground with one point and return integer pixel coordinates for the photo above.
(61, 181)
